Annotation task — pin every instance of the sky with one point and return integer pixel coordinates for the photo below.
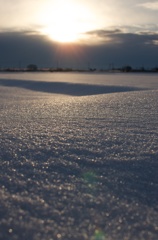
(79, 33)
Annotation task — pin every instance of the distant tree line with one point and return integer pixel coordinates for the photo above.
(34, 68)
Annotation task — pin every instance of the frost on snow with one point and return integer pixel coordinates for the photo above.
(78, 157)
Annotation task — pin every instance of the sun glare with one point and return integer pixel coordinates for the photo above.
(65, 21)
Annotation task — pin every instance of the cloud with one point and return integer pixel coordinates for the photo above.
(125, 47)
(23, 46)
(150, 5)
(121, 48)
(102, 32)
(32, 47)
(154, 42)
(123, 36)
(102, 36)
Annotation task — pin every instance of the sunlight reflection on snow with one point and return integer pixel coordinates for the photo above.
(80, 167)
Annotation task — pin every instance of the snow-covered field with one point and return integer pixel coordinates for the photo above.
(79, 156)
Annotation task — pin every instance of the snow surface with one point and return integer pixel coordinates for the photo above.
(79, 156)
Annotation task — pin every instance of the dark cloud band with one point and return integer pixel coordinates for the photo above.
(116, 46)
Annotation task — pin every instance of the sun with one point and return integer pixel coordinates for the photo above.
(66, 35)
(65, 21)
(63, 29)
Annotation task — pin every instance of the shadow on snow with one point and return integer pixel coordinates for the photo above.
(73, 89)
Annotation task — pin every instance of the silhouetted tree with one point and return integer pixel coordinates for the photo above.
(32, 67)
(127, 69)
